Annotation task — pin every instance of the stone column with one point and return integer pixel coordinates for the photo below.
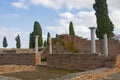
(105, 45)
(50, 46)
(36, 43)
(93, 47)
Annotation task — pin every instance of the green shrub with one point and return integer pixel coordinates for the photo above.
(75, 51)
(44, 59)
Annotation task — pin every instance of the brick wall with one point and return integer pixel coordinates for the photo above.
(2, 50)
(79, 61)
(83, 45)
(25, 51)
(113, 46)
(20, 59)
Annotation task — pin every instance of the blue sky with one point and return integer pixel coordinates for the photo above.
(18, 16)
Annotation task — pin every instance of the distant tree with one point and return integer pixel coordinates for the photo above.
(31, 40)
(36, 31)
(5, 44)
(48, 37)
(71, 29)
(45, 43)
(56, 35)
(104, 24)
(18, 42)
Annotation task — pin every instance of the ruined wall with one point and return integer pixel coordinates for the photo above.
(113, 46)
(25, 51)
(20, 59)
(71, 44)
(80, 61)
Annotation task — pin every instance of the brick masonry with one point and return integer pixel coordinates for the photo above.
(8, 58)
(2, 50)
(80, 61)
(17, 60)
(82, 45)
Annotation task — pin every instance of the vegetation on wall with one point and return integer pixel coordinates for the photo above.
(66, 43)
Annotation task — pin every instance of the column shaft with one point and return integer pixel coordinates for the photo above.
(93, 45)
(105, 45)
(36, 44)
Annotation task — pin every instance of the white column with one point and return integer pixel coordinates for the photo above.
(105, 45)
(93, 45)
(36, 43)
(50, 46)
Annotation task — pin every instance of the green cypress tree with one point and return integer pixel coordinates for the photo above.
(18, 42)
(45, 43)
(104, 24)
(36, 31)
(71, 29)
(5, 44)
(31, 40)
(56, 35)
(48, 37)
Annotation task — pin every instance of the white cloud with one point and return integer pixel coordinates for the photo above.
(11, 15)
(67, 15)
(20, 4)
(57, 4)
(113, 4)
(81, 21)
(56, 30)
(46, 3)
(115, 17)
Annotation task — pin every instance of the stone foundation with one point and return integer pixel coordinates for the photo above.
(80, 61)
(20, 59)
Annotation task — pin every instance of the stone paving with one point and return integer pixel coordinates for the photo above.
(112, 77)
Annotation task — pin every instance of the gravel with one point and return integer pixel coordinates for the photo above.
(112, 77)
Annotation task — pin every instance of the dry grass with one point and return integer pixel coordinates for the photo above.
(42, 72)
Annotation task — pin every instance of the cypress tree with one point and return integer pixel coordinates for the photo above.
(48, 37)
(18, 42)
(45, 43)
(104, 24)
(56, 35)
(5, 44)
(71, 29)
(36, 31)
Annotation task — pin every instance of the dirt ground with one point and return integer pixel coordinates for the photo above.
(42, 72)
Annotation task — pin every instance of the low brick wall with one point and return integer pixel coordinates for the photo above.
(25, 51)
(80, 61)
(20, 59)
